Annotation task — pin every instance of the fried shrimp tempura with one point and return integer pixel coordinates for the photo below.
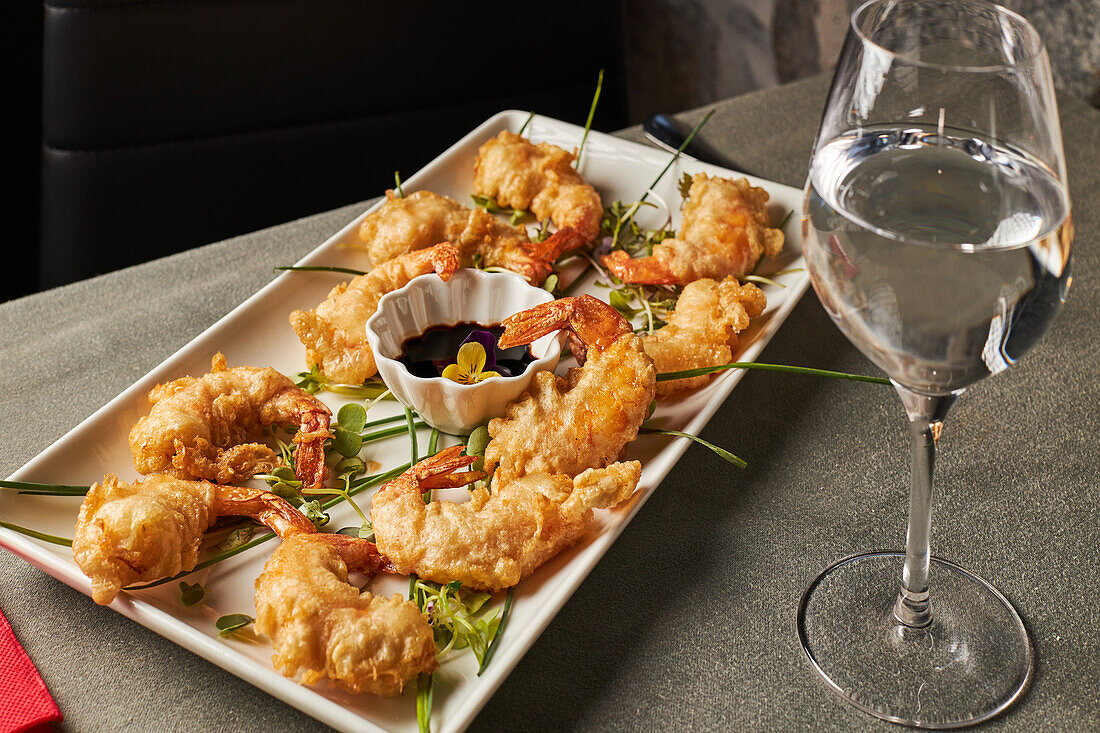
(334, 334)
(206, 427)
(724, 233)
(321, 626)
(703, 329)
(498, 537)
(423, 218)
(151, 529)
(540, 179)
(582, 420)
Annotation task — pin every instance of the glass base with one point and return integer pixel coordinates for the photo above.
(972, 662)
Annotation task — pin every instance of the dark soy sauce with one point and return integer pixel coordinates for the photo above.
(429, 353)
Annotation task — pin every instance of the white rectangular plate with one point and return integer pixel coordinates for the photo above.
(257, 333)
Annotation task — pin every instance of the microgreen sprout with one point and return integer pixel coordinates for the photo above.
(530, 116)
(542, 232)
(315, 513)
(720, 452)
(347, 437)
(489, 204)
(192, 594)
(283, 483)
(588, 122)
(397, 185)
(317, 268)
(783, 224)
(313, 382)
(620, 300)
(346, 470)
(763, 280)
(667, 376)
(459, 618)
(687, 141)
(228, 625)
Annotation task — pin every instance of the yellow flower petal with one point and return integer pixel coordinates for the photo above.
(485, 375)
(454, 373)
(471, 358)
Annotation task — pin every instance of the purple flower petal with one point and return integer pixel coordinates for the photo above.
(488, 342)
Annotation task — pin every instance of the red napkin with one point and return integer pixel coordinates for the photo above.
(25, 703)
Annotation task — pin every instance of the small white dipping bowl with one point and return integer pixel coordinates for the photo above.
(470, 296)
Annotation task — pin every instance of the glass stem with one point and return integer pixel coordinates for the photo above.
(926, 414)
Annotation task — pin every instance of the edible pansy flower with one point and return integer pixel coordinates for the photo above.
(488, 341)
(474, 360)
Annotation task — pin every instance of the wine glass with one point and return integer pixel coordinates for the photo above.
(937, 232)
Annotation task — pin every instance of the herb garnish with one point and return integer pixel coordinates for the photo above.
(228, 625)
(318, 268)
(588, 122)
(192, 594)
(489, 204)
(314, 381)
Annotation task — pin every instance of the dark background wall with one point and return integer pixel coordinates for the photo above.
(172, 123)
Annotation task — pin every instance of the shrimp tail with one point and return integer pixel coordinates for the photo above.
(442, 258)
(594, 322)
(437, 472)
(647, 270)
(358, 554)
(564, 240)
(273, 511)
(309, 457)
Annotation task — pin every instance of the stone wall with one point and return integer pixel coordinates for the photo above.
(686, 53)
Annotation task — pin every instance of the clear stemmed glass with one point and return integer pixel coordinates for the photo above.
(937, 233)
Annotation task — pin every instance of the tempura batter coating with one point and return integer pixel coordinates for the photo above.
(335, 334)
(132, 533)
(538, 178)
(206, 427)
(498, 537)
(725, 232)
(321, 626)
(582, 420)
(703, 329)
(151, 529)
(423, 218)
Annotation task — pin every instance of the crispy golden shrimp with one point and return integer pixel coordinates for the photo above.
(724, 233)
(334, 334)
(151, 529)
(540, 179)
(582, 420)
(703, 329)
(423, 218)
(321, 626)
(498, 537)
(206, 427)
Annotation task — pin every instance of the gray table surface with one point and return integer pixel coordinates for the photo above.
(688, 622)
